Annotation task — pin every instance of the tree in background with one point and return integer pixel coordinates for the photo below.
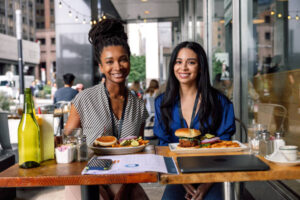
(5, 102)
(217, 67)
(137, 68)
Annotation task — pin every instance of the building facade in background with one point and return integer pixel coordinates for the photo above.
(45, 35)
(8, 17)
(8, 40)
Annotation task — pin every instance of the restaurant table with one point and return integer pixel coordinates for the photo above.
(52, 174)
(231, 191)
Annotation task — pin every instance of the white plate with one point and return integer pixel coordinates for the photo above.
(287, 163)
(117, 150)
(242, 147)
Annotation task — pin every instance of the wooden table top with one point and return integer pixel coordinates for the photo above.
(52, 174)
(276, 172)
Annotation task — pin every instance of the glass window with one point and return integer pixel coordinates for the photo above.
(199, 26)
(221, 45)
(42, 41)
(272, 62)
(52, 40)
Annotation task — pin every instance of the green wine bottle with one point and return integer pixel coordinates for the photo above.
(29, 135)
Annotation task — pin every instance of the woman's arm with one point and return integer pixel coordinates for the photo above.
(73, 121)
(227, 126)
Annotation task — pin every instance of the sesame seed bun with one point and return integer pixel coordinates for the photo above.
(187, 132)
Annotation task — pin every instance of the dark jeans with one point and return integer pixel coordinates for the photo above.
(177, 192)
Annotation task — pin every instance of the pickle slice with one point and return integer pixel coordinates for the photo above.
(208, 136)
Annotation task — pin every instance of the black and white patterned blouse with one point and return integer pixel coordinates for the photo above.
(93, 108)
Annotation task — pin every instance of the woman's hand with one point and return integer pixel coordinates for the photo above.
(190, 191)
(201, 191)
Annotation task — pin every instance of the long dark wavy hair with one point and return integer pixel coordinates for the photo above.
(210, 106)
(108, 32)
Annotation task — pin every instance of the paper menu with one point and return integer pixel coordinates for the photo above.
(136, 163)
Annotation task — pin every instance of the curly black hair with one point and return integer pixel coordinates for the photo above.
(108, 32)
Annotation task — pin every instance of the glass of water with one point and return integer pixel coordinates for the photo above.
(254, 137)
(70, 135)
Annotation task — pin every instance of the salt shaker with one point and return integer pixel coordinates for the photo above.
(82, 149)
(278, 142)
(265, 144)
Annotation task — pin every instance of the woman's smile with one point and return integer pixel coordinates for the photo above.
(184, 75)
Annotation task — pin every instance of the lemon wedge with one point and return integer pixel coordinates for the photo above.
(134, 143)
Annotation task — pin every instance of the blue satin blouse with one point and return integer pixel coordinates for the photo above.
(225, 131)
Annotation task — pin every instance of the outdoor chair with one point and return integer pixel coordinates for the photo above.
(7, 155)
(272, 115)
(244, 133)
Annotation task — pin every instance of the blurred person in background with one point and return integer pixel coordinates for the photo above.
(66, 93)
(136, 89)
(79, 87)
(53, 90)
(33, 87)
(150, 95)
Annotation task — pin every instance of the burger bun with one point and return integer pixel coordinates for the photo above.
(105, 141)
(187, 132)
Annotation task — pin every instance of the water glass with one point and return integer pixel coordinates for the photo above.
(254, 137)
(70, 136)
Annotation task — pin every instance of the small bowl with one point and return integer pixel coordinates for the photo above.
(65, 156)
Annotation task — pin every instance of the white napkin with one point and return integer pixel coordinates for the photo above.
(277, 156)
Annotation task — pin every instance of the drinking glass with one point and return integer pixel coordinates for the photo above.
(70, 136)
(254, 136)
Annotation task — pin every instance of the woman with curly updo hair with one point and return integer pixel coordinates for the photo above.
(109, 108)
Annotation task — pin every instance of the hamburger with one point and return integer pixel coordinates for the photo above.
(105, 141)
(188, 138)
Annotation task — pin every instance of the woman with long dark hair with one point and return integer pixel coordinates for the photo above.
(191, 102)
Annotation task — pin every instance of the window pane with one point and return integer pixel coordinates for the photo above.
(221, 44)
(270, 38)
